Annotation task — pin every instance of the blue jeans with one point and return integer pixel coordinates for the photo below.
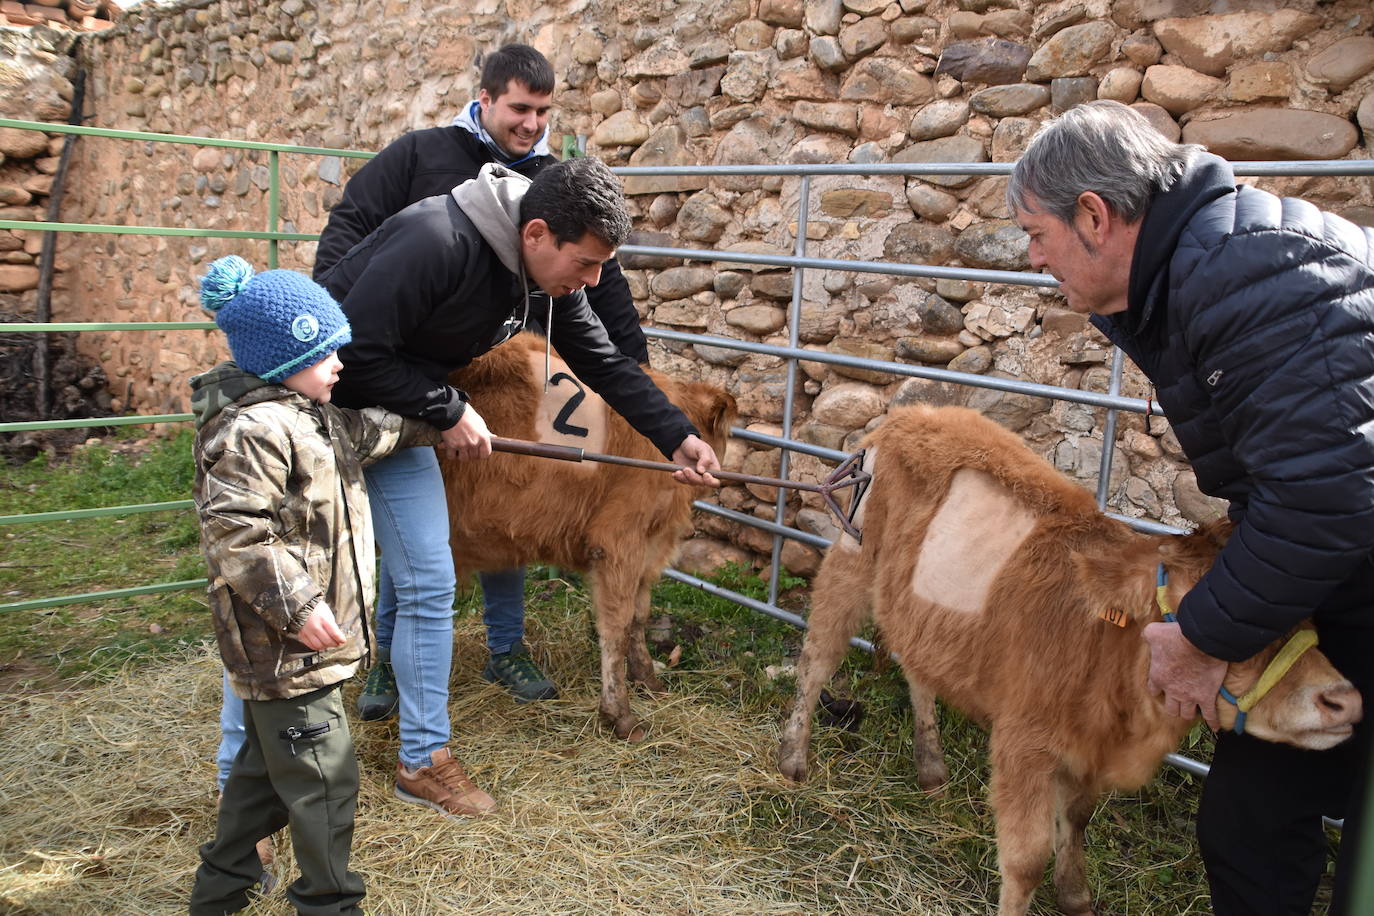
(503, 608)
(415, 593)
(231, 732)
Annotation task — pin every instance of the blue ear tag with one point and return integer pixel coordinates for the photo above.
(305, 328)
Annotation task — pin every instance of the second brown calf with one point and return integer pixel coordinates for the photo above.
(1003, 590)
(621, 526)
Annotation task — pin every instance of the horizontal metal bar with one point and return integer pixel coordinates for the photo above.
(1016, 277)
(837, 168)
(89, 422)
(73, 514)
(63, 326)
(768, 610)
(805, 537)
(792, 445)
(1313, 167)
(91, 597)
(104, 229)
(176, 138)
(1147, 526)
(1034, 389)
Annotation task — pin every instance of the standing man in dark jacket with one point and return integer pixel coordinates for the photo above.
(508, 124)
(431, 289)
(1253, 316)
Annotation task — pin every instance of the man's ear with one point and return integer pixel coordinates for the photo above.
(1093, 216)
(535, 232)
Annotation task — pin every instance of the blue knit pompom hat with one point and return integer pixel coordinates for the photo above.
(278, 322)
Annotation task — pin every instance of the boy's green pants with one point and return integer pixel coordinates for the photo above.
(296, 767)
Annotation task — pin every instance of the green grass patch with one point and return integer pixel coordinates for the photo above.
(55, 559)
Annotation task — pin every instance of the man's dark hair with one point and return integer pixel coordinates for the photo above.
(577, 196)
(520, 63)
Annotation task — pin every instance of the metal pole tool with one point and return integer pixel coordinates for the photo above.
(849, 473)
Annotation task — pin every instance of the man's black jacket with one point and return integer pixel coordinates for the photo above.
(1254, 317)
(426, 294)
(424, 163)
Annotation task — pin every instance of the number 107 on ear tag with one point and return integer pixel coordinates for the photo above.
(1115, 616)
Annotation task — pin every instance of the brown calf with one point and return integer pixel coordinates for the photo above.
(1001, 588)
(620, 525)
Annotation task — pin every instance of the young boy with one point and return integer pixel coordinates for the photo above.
(287, 537)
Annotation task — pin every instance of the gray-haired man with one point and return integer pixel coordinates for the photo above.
(1254, 317)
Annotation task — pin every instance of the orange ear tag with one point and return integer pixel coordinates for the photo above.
(1114, 616)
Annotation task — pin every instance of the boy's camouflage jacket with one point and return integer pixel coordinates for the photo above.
(285, 525)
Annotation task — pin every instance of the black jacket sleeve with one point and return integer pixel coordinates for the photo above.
(379, 189)
(611, 301)
(579, 338)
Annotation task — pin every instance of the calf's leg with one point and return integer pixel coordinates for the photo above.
(636, 646)
(613, 600)
(1075, 805)
(1023, 801)
(840, 601)
(927, 751)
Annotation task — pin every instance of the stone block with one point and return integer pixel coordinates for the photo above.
(1273, 133)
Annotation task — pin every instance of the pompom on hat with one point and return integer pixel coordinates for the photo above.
(278, 322)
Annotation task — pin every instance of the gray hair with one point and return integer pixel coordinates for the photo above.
(1104, 147)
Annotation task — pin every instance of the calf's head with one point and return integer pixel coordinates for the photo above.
(1311, 706)
(1304, 702)
(712, 410)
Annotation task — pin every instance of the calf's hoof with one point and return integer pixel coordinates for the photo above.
(792, 765)
(932, 777)
(651, 685)
(628, 727)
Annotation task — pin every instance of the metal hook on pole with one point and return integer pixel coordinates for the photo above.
(850, 473)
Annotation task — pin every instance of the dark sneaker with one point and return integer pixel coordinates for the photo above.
(443, 786)
(518, 673)
(379, 699)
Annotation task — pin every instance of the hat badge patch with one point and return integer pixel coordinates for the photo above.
(305, 328)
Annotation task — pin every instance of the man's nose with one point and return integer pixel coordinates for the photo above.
(1037, 257)
(591, 276)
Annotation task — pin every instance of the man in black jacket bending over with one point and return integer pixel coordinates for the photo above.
(508, 124)
(431, 289)
(1253, 316)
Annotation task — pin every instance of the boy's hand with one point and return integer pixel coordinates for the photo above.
(320, 630)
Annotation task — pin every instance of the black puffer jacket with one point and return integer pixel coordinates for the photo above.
(1254, 317)
(425, 163)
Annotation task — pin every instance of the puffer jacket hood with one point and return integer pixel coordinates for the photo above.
(215, 390)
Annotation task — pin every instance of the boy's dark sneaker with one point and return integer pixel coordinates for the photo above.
(379, 699)
(518, 673)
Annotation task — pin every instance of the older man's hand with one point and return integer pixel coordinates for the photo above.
(1187, 677)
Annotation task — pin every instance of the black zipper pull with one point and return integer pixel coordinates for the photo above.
(292, 733)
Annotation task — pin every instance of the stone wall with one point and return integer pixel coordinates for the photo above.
(646, 82)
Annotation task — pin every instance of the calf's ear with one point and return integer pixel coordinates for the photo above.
(1111, 580)
(720, 415)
